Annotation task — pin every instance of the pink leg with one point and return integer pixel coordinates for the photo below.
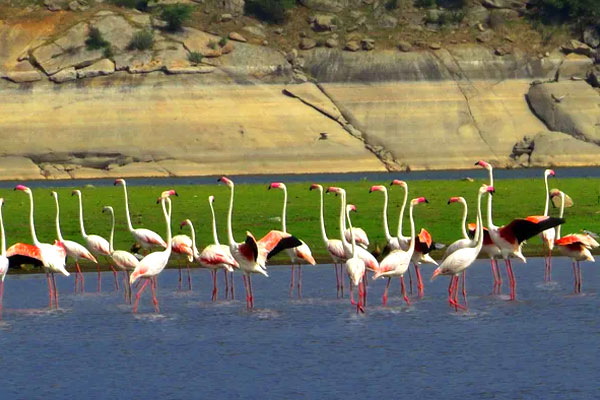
(55, 290)
(115, 275)
(464, 289)
(292, 281)
(403, 287)
(579, 276)
(226, 284)
(139, 294)
(364, 280)
(214, 282)
(247, 291)
(128, 286)
(337, 280)
(50, 294)
(352, 294)
(251, 291)
(1, 297)
(450, 291)
(154, 299)
(81, 278)
(187, 264)
(420, 287)
(179, 280)
(410, 285)
(76, 277)
(511, 277)
(549, 265)
(99, 289)
(299, 281)
(495, 275)
(232, 286)
(499, 277)
(342, 279)
(385, 292)
(361, 297)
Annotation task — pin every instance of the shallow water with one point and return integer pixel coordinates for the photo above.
(545, 345)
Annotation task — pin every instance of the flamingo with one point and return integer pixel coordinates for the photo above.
(397, 262)
(392, 242)
(153, 264)
(489, 247)
(181, 245)
(217, 256)
(355, 268)
(3, 259)
(124, 260)
(251, 254)
(298, 254)
(360, 236)
(334, 247)
(96, 244)
(509, 238)
(576, 246)
(466, 240)
(548, 235)
(458, 261)
(74, 249)
(144, 237)
(51, 256)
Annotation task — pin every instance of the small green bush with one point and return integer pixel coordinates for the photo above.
(212, 44)
(272, 11)
(95, 40)
(141, 5)
(175, 15)
(425, 3)
(108, 52)
(195, 57)
(141, 40)
(391, 5)
(223, 41)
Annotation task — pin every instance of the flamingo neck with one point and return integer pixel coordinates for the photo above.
(214, 225)
(386, 228)
(489, 204)
(168, 222)
(193, 233)
(464, 220)
(31, 225)
(229, 216)
(112, 232)
(58, 232)
(283, 213)
(322, 218)
(547, 195)
(562, 212)
(343, 220)
(129, 226)
(81, 216)
(399, 233)
(353, 241)
(411, 247)
(3, 238)
(479, 231)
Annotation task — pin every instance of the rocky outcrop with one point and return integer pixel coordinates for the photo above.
(562, 150)
(571, 107)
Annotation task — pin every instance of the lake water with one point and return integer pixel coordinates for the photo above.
(545, 345)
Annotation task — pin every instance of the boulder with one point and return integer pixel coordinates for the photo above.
(388, 22)
(116, 30)
(307, 43)
(23, 72)
(485, 36)
(591, 36)
(594, 76)
(332, 43)
(368, 44)
(77, 6)
(575, 46)
(55, 5)
(226, 17)
(18, 168)
(197, 69)
(435, 45)
(233, 7)
(511, 4)
(65, 75)
(574, 66)
(237, 37)
(477, 15)
(568, 106)
(255, 30)
(102, 67)
(352, 45)
(558, 149)
(132, 60)
(198, 41)
(324, 22)
(503, 50)
(404, 46)
(325, 5)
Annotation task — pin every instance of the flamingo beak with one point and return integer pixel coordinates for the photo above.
(436, 273)
(21, 187)
(491, 190)
(313, 186)
(552, 173)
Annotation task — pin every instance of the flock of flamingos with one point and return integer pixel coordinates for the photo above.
(350, 250)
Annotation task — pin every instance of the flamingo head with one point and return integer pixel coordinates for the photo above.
(436, 273)
(211, 199)
(335, 189)
(1, 201)
(549, 172)
(276, 185)
(351, 207)
(398, 182)
(484, 164)
(315, 186)
(184, 223)
(166, 194)
(456, 200)
(107, 209)
(377, 188)
(226, 181)
(76, 192)
(418, 200)
(487, 189)
(119, 182)
(54, 194)
(23, 188)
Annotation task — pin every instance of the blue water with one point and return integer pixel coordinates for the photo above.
(544, 346)
(478, 173)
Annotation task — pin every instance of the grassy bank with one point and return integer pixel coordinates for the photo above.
(258, 210)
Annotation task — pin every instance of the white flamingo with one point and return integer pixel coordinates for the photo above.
(95, 244)
(4, 263)
(74, 249)
(146, 238)
(124, 260)
(181, 246)
(355, 268)
(548, 235)
(297, 255)
(153, 264)
(397, 262)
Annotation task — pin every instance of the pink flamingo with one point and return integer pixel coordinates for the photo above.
(392, 242)
(181, 245)
(463, 257)
(146, 238)
(334, 247)
(4, 263)
(153, 264)
(51, 256)
(576, 246)
(96, 244)
(124, 260)
(251, 254)
(355, 268)
(74, 249)
(298, 254)
(397, 262)
(548, 235)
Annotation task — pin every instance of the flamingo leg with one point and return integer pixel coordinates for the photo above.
(410, 284)
(179, 280)
(232, 286)
(99, 288)
(464, 289)
(361, 297)
(1, 297)
(495, 275)
(81, 278)
(352, 294)
(226, 284)
(76, 277)
(55, 290)
(385, 292)
(511, 277)
(251, 292)
(450, 290)
(364, 282)
(292, 281)
(50, 294)
(420, 287)
(154, 299)
(214, 282)
(114, 271)
(337, 280)
(549, 264)
(246, 288)
(403, 288)
(187, 264)
(545, 247)
(342, 280)
(299, 281)
(139, 294)
(579, 276)
(499, 277)
(127, 275)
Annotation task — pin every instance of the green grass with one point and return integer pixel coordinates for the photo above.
(257, 208)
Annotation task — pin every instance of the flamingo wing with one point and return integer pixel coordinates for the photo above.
(60, 249)
(150, 237)
(576, 238)
(212, 256)
(524, 228)
(276, 241)
(249, 248)
(22, 253)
